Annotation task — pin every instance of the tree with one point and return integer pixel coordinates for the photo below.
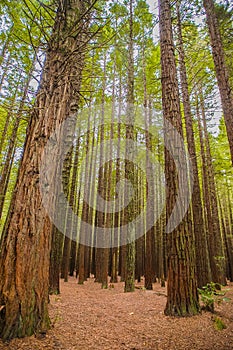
(202, 257)
(221, 69)
(129, 165)
(182, 284)
(217, 258)
(26, 240)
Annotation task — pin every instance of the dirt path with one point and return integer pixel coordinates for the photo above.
(87, 317)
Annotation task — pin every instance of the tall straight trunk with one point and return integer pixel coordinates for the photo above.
(9, 115)
(160, 224)
(122, 249)
(116, 221)
(229, 237)
(80, 271)
(129, 164)
(5, 176)
(206, 190)
(6, 125)
(217, 259)
(182, 293)
(85, 209)
(26, 239)
(58, 246)
(105, 184)
(202, 257)
(101, 254)
(73, 200)
(83, 258)
(6, 46)
(114, 217)
(55, 260)
(5, 71)
(150, 234)
(92, 213)
(66, 174)
(226, 233)
(140, 242)
(221, 69)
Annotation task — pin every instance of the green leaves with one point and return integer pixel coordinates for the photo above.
(211, 295)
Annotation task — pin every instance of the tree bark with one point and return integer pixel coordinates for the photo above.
(202, 256)
(129, 163)
(217, 258)
(221, 69)
(182, 284)
(5, 176)
(26, 240)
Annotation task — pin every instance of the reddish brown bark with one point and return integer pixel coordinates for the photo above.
(182, 285)
(202, 256)
(221, 69)
(26, 240)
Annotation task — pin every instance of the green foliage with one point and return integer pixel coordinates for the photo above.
(211, 294)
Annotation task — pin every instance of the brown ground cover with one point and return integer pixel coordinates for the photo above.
(86, 317)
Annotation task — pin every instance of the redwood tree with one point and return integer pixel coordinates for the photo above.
(221, 69)
(182, 284)
(202, 258)
(25, 243)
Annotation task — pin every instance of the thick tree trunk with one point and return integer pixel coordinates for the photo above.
(202, 256)
(217, 258)
(221, 69)
(26, 240)
(182, 285)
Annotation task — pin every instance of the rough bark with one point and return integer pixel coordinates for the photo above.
(221, 69)
(55, 261)
(68, 224)
(217, 258)
(129, 163)
(26, 240)
(202, 256)
(182, 284)
(8, 118)
(73, 200)
(150, 234)
(5, 176)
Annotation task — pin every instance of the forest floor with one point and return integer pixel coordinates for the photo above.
(87, 317)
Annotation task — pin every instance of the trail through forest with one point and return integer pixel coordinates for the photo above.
(86, 317)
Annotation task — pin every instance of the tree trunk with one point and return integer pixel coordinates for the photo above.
(55, 261)
(221, 69)
(4, 73)
(5, 176)
(73, 200)
(8, 118)
(26, 240)
(182, 284)
(129, 163)
(202, 257)
(150, 234)
(217, 259)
